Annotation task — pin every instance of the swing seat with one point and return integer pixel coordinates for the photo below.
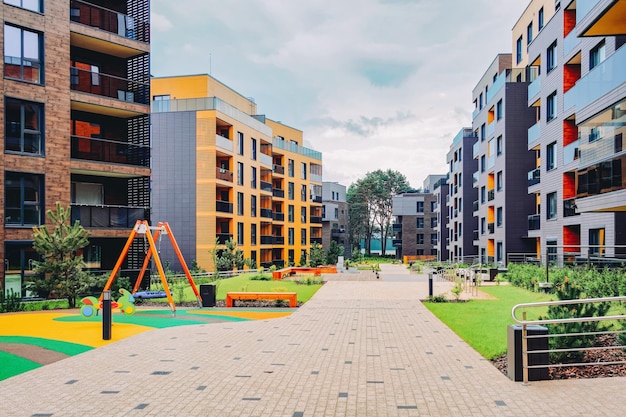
(143, 295)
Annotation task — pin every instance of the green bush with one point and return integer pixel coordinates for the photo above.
(261, 277)
(11, 302)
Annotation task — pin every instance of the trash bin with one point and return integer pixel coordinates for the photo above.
(514, 353)
(207, 292)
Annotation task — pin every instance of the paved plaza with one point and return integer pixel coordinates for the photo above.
(359, 347)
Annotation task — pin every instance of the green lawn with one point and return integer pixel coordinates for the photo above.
(483, 323)
(244, 283)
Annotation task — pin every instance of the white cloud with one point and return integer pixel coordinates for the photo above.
(159, 23)
(372, 83)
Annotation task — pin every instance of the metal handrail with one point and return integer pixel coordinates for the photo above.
(524, 323)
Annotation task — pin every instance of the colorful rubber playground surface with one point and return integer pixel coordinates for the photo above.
(33, 339)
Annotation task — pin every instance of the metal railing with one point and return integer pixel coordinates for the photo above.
(110, 21)
(108, 150)
(109, 86)
(524, 322)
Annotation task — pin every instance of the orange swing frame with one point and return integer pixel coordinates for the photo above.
(143, 228)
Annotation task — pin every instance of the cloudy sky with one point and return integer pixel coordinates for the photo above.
(371, 83)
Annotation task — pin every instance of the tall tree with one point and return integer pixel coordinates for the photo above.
(60, 249)
(370, 200)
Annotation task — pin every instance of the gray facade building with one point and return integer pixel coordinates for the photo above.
(415, 226)
(335, 216)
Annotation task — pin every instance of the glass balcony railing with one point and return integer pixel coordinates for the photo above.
(475, 205)
(278, 169)
(295, 148)
(278, 216)
(112, 151)
(570, 153)
(223, 206)
(491, 127)
(534, 133)
(224, 143)
(266, 186)
(109, 21)
(223, 174)
(491, 195)
(475, 113)
(222, 238)
(109, 86)
(278, 192)
(108, 216)
(475, 150)
(583, 7)
(569, 98)
(570, 42)
(534, 177)
(496, 86)
(315, 219)
(317, 240)
(534, 222)
(267, 213)
(605, 77)
(533, 89)
(267, 240)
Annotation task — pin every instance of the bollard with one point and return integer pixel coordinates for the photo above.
(430, 284)
(106, 315)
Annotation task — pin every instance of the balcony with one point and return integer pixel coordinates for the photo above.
(534, 177)
(267, 213)
(222, 238)
(338, 233)
(223, 206)
(601, 80)
(570, 153)
(112, 151)
(109, 86)
(315, 219)
(278, 216)
(496, 86)
(316, 199)
(570, 42)
(223, 143)
(569, 208)
(396, 227)
(317, 240)
(278, 240)
(278, 192)
(475, 150)
(475, 234)
(534, 132)
(223, 174)
(109, 21)
(397, 243)
(491, 228)
(123, 217)
(533, 89)
(475, 177)
(267, 239)
(266, 186)
(265, 159)
(491, 195)
(475, 205)
(534, 222)
(278, 169)
(491, 128)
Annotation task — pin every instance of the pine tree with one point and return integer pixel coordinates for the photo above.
(61, 265)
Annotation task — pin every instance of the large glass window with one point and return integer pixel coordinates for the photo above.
(253, 148)
(551, 156)
(240, 143)
(34, 5)
(290, 167)
(597, 55)
(240, 233)
(253, 234)
(499, 110)
(551, 57)
(303, 214)
(290, 213)
(499, 217)
(253, 179)
(253, 206)
(529, 33)
(23, 127)
(518, 50)
(540, 19)
(23, 199)
(290, 190)
(420, 222)
(22, 54)
(419, 207)
(240, 207)
(551, 213)
(239, 173)
(419, 239)
(551, 107)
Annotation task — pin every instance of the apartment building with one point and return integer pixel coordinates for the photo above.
(77, 122)
(440, 192)
(501, 120)
(416, 220)
(335, 216)
(221, 171)
(462, 197)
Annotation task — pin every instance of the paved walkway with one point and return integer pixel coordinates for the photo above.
(358, 348)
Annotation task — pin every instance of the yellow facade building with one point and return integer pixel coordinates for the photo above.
(222, 171)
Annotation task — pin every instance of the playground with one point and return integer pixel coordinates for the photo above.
(33, 339)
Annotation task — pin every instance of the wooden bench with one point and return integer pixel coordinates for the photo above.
(232, 296)
(292, 270)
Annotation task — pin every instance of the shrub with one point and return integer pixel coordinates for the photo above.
(11, 302)
(437, 299)
(261, 277)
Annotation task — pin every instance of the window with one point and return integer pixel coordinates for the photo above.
(253, 234)
(34, 5)
(290, 190)
(540, 19)
(23, 54)
(480, 101)
(551, 156)
(240, 233)
(518, 49)
(483, 194)
(291, 236)
(499, 110)
(253, 206)
(551, 213)
(551, 107)
(596, 241)
(499, 145)
(420, 222)
(551, 57)
(240, 204)
(499, 180)
(239, 173)
(419, 239)
(336, 213)
(499, 217)
(303, 236)
(253, 148)
(433, 206)
(597, 55)
(303, 214)
(240, 143)
(253, 179)
(483, 163)
(483, 224)
(23, 202)
(303, 170)
(594, 134)
(433, 238)
(23, 127)
(499, 252)
(482, 132)
(303, 192)
(529, 33)
(290, 213)
(433, 222)
(290, 167)
(420, 207)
